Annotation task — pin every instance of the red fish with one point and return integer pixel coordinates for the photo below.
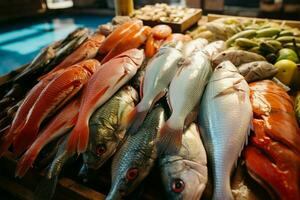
(53, 96)
(272, 157)
(85, 51)
(60, 124)
(121, 31)
(133, 40)
(102, 85)
(23, 110)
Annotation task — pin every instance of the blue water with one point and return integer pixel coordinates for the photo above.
(21, 41)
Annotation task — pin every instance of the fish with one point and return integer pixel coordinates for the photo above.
(224, 119)
(101, 86)
(194, 45)
(184, 175)
(121, 31)
(54, 96)
(23, 111)
(176, 37)
(237, 57)
(159, 72)
(258, 70)
(134, 160)
(46, 187)
(185, 91)
(272, 156)
(214, 48)
(87, 50)
(58, 126)
(106, 133)
(161, 31)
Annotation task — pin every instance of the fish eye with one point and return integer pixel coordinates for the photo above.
(178, 185)
(132, 173)
(100, 149)
(223, 54)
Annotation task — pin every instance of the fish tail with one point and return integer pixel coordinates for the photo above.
(170, 140)
(137, 122)
(83, 138)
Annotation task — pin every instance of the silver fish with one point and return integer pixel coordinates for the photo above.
(258, 70)
(159, 73)
(184, 94)
(184, 175)
(194, 45)
(134, 160)
(214, 48)
(105, 127)
(237, 57)
(224, 118)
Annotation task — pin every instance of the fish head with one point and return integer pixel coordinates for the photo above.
(102, 146)
(137, 56)
(181, 179)
(226, 66)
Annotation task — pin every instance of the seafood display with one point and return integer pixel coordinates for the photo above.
(147, 105)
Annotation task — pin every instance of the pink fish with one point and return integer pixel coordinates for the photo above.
(102, 85)
(53, 96)
(60, 124)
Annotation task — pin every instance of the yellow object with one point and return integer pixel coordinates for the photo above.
(286, 71)
(124, 7)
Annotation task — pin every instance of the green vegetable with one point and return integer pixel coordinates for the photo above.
(268, 32)
(243, 34)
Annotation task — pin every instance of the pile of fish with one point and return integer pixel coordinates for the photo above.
(146, 97)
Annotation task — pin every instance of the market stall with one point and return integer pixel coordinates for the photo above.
(160, 103)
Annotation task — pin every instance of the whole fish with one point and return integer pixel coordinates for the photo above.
(86, 50)
(258, 70)
(194, 45)
(214, 48)
(184, 94)
(225, 115)
(103, 85)
(54, 95)
(134, 160)
(184, 175)
(159, 73)
(121, 31)
(236, 57)
(106, 132)
(133, 40)
(58, 126)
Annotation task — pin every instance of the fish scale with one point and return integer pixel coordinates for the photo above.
(225, 115)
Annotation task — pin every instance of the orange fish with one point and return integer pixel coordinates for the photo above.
(53, 96)
(102, 85)
(161, 31)
(23, 110)
(130, 41)
(121, 31)
(60, 124)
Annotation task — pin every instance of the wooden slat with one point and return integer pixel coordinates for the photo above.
(296, 24)
(23, 188)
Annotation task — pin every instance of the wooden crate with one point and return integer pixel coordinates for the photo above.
(179, 27)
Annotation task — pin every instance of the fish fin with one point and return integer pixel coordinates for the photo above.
(137, 122)
(72, 142)
(45, 190)
(169, 141)
(141, 87)
(25, 163)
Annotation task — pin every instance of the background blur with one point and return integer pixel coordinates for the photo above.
(29, 25)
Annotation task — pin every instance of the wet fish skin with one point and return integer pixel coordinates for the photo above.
(134, 160)
(188, 168)
(106, 132)
(237, 57)
(159, 73)
(224, 119)
(184, 94)
(214, 48)
(194, 45)
(258, 70)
